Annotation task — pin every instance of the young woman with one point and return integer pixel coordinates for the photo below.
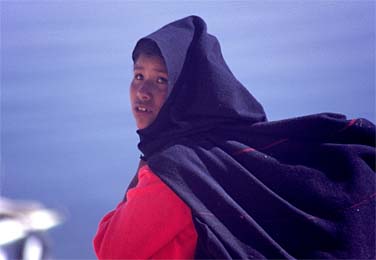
(152, 222)
(216, 180)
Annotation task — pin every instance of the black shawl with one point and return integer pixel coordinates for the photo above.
(295, 188)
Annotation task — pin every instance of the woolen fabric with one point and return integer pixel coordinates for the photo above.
(295, 188)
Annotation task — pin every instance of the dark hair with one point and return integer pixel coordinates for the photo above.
(146, 47)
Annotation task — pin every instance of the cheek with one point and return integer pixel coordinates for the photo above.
(162, 98)
(132, 91)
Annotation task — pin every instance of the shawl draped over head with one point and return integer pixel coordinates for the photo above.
(296, 188)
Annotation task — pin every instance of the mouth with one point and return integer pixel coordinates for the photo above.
(142, 109)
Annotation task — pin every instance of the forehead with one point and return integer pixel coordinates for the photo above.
(150, 62)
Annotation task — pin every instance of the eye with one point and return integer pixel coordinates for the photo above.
(162, 80)
(138, 76)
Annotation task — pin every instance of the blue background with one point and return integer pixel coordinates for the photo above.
(67, 135)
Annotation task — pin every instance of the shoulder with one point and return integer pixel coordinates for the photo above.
(151, 191)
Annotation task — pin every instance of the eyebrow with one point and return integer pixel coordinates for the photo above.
(137, 67)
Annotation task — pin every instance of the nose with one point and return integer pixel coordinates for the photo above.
(144, 92)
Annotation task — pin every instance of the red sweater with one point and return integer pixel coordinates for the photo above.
(153, 223)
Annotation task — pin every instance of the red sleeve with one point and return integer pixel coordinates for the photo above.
(153, 223)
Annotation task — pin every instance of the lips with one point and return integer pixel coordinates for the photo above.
(143, 109)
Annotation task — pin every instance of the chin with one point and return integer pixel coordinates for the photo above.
(142, 125)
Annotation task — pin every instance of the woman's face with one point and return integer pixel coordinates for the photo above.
(149, 89)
